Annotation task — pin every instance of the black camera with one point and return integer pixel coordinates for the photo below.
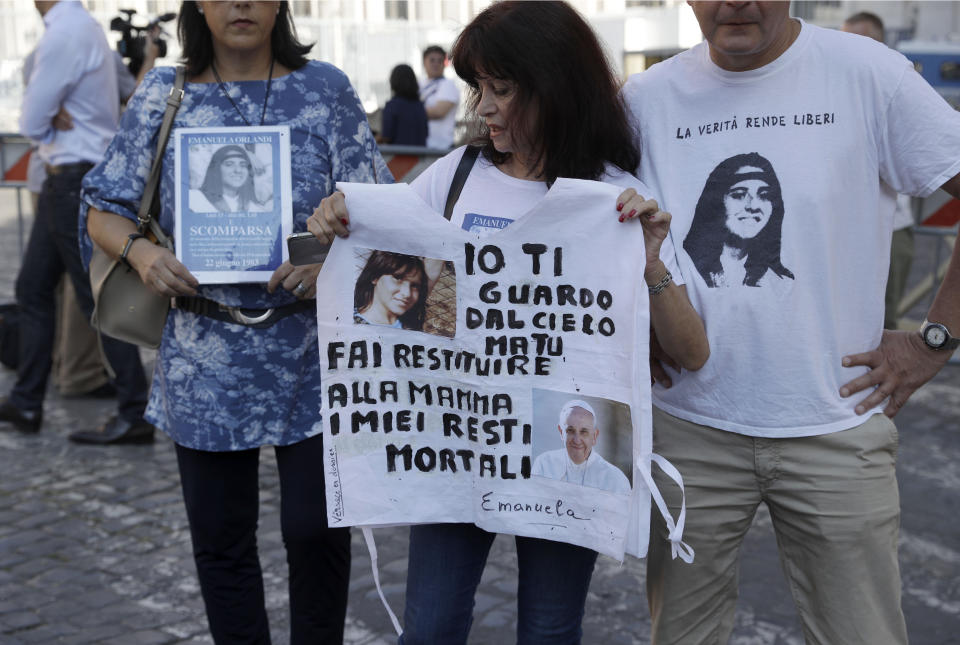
(133, 38)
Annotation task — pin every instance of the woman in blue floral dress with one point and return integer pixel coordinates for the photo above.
(223, 389)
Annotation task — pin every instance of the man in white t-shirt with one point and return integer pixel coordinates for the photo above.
(768, 144)
(901, 247)
(440, 97)
(577, 461)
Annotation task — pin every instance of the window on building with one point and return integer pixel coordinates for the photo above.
(808, 10)
(302, 8)
(396, 9)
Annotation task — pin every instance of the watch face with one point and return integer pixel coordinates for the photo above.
(935, 336)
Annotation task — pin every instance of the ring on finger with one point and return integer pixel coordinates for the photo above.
(299, 290)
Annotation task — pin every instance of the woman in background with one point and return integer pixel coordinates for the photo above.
(404, 117)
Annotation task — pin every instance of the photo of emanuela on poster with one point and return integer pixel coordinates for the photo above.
(233, 202)
(405, 292)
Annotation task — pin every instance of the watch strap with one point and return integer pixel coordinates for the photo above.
(126, 247)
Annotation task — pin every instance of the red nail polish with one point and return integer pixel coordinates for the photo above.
(343, 221)
(619, 206)
(633, 211)
(621, 218)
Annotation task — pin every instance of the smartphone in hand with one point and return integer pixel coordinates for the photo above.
(305, 248)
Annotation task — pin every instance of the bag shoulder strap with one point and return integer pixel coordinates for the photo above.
(150, 195)
(460, 178)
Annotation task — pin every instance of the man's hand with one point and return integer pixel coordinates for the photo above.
(900, 365)
(659, 358)
(63, 120)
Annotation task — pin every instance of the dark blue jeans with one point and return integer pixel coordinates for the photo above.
(445, 565)
(53, 250)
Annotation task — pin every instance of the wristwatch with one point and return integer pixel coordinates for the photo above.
(937, 336)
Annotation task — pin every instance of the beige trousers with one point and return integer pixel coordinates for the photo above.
(835, 508)
(77, 364)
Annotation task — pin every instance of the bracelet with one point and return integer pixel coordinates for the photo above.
(660, 286)
(126, 247)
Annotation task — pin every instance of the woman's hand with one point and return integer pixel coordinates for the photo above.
(301, 280)
(655, 222)
(330, 218)
(160, 270)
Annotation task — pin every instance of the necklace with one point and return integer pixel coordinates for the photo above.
(266, 96)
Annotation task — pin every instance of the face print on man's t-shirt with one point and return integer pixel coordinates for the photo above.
(735, 235)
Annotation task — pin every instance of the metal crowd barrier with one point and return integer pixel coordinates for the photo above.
(405, 163)
(14, 156)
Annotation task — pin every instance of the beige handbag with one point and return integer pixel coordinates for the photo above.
(124, 308)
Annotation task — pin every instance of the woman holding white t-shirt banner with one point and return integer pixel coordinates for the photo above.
(548, 107)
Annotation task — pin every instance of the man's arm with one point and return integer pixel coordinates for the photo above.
(448, 96)
(45, 92)
(440, 109)
(953, 186)
(151, 51)
(903, 362)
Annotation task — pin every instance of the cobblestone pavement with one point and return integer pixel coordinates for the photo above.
(94, 545)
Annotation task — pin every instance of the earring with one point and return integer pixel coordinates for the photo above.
(200, 9)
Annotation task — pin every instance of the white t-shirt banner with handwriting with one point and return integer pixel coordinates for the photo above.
(500, 380)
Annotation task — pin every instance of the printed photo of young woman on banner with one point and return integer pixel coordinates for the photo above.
(405, 292)
(501, 380)
(233, 202)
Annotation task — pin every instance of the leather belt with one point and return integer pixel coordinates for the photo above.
(256, 318)
(68, 167)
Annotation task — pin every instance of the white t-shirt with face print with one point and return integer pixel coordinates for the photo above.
(773, 177)
(491, 199)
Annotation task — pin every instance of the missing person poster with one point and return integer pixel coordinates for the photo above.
(500, 380)
(233, 196)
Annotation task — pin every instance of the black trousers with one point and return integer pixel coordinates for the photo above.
(221, 492)
(52, 251)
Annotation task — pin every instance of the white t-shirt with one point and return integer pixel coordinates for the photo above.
(492, 199)
(903, 216)
(821, 126)
(595, 472)
(440, 131)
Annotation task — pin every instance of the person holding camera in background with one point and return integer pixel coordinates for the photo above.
(70, 109)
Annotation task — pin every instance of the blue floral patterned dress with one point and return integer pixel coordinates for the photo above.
(219, 386)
